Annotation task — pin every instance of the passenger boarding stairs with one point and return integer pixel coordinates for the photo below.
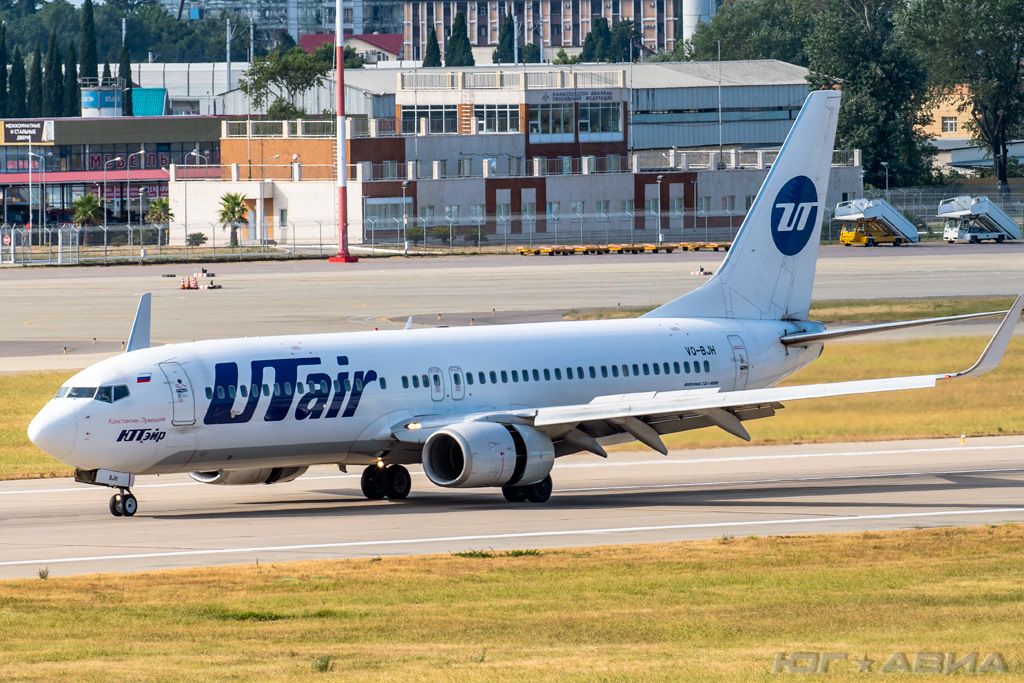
(878, 214)
(984, 212)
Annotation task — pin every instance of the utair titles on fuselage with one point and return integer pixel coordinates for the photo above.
(482, 406)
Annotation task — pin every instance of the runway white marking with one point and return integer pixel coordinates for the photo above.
(493, 537)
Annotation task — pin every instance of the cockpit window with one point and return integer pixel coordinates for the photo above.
(62, 392)
(110, 394)
(81, 392)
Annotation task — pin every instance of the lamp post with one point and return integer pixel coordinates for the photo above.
(128, 199)
(405, 220)
(42, 190)
(261, 213)
(104, 203)
(659, 179)
(886, 164)
(194, 153)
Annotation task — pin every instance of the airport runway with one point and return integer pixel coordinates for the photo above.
(631, 498)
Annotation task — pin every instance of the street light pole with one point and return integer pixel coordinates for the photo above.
(660, 178)
(128, 200)
(405, 220)
(194, 153)
(104, 203)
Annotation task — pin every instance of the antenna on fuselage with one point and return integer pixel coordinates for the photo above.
(139, 338)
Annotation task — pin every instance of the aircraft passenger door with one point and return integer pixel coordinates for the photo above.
(436, 384)
(457, 378)
(183, 403)
(739, 357)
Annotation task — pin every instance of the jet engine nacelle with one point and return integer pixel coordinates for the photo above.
(471, 454)
(262, 475)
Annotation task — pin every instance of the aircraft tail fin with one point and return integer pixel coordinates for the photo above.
(769, 271)
(139, 338)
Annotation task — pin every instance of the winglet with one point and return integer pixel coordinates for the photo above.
(139, 338)
(408, 323)
(993, 353)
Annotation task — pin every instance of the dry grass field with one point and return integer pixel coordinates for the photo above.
(715, 610)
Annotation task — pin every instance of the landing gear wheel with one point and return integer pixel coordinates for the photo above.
(372, 483)
(129, 505)
(539, 492)
(115, 505)
(514, 494)
(397, 482)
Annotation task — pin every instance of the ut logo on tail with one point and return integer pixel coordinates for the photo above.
(794, 215)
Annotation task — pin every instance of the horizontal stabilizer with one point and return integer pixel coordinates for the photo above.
(801, 338)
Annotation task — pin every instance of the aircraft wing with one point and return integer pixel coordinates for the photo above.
(645, 416)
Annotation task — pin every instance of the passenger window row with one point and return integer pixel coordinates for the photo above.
(576, 373)
(322, 387)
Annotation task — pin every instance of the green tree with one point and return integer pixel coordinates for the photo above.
(754, 29)
(597, 44)
(883, 84)
(124, 70)
(3, 70)
(72, 93)
(352, 60)
(53, 79)
(561, 57)
(160, 213)
(974, 49)
(624, 35)
(529, 54)
(432, 57)
(283, 110)
(16, 107)
(233, 212)
(294, 73)
(87, 210)
(34, 98)
(458, 52)
(505, 52)
(89, 67)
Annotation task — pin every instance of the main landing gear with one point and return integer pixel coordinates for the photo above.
(123, 504)
(393, 482)
(535, 493)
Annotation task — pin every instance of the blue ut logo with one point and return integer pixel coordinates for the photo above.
(794, 215)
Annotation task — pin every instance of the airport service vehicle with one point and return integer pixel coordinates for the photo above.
(973, 219)
(481, 406)
(872, 223)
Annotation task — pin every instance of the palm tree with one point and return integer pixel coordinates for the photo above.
(160, 214)
(87, 210)
(233, 212)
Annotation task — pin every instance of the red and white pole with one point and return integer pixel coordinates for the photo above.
(339, 57)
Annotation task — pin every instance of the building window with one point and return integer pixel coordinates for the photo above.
(704, 205)
(729, 204)
(426, 216)
(504, 216)
(529, 216)
(748, 202)
(553, 212)
(601, 118)
(577, 211)
(949, 124)
(552, 122)
(627, 210)
(451, 214)
(441, 118)
(476, 213)
(603, 207)
(496, 118)
(677, 206)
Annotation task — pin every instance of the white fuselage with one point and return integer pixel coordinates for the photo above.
(335, 398)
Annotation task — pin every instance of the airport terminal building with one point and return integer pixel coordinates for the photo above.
(669, 151)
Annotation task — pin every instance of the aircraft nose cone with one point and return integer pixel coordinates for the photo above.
(53, 432)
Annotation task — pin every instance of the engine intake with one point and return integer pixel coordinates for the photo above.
(262, 475)
(473, 454)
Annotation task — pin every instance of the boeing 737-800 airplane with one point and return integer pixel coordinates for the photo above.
(481, 406)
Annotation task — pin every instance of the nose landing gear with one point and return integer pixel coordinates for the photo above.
(123, 504)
